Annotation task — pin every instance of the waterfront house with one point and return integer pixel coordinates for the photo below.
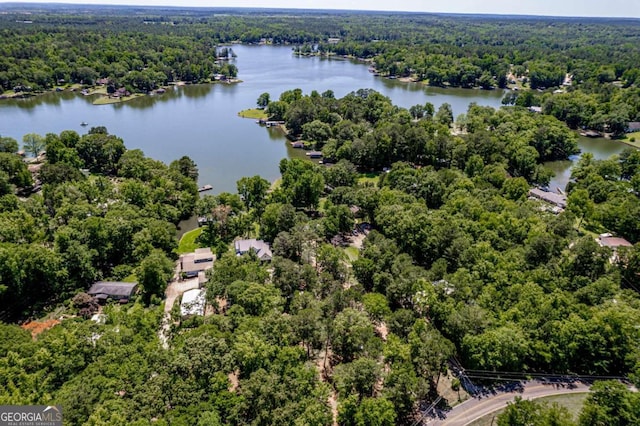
(633, 126)
(557, 200)
(192, 264)
(121, 93)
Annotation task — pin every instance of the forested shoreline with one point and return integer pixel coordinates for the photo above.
(592, 62)
(413, 248)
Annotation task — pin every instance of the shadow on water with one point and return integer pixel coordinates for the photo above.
(196, 91)
(33, 101)
(186, 225)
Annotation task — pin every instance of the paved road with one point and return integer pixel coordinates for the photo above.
(475, 408)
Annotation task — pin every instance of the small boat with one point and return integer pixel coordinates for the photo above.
(84, 123)
(207, 187)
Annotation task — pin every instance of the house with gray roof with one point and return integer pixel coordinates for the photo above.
(259, 247)
(633, 126)
(115, 290)
(557, 200)
(614, 243)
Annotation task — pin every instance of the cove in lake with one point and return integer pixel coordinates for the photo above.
(201, 120)
(601, 149)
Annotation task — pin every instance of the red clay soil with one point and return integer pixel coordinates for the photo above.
(37, 327)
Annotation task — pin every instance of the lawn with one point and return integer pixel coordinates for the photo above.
(188, 242)
(105, 100)
(369, 178)
(352, 252)
(255, 113)
(628, 139)
(573, 402)
(275, 184)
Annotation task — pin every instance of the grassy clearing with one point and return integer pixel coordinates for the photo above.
(254, 113)
(573, 402)
(100, 90)
(628, 139)
(275, 184)
(188, 242)
(445, 388)
(373, 178)
(105, 100)
(353, 253)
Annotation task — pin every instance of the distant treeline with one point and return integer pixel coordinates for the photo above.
(597, 58)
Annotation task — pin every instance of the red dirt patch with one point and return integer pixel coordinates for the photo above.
(37, 327)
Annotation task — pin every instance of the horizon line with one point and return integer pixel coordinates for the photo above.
(30, 4)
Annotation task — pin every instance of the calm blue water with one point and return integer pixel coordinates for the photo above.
(201, 121)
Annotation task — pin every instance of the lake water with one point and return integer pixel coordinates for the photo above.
(601, 149)
(201, 121)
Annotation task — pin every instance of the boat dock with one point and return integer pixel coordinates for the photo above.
(270, 123)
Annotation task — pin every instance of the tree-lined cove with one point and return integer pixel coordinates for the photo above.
(202, 121)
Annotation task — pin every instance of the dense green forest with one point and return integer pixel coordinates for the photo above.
(415, 247)
(457, 263)
(89, 225)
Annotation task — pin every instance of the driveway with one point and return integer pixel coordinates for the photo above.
(175, 290)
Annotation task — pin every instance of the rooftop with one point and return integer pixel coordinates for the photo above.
(262, 249)
(607, 240)
(633, 126)
(193, 302)
(113, 289)
(200, 260)
(550, 197)
(203, 255)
